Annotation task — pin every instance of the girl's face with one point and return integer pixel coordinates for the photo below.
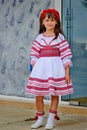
(49, 23)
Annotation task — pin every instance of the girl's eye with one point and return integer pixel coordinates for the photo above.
(52, 20)
(47, 20)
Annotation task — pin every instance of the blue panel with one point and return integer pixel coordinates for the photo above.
(75, 28)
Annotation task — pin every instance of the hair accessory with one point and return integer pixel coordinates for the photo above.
(55, 12)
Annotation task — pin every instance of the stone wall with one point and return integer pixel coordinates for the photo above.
(18, 28)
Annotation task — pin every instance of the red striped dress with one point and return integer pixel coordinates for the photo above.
(49, 57)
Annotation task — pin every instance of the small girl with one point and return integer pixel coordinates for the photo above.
(51, 60)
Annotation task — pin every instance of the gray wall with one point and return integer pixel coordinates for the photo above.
(18, 28)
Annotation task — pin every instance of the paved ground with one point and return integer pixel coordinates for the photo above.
(14, 118)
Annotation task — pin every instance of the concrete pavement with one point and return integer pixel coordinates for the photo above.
(19, 118)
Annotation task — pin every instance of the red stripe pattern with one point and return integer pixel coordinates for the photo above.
(49, 52)
(62, 47)
(48, 87)
(65, 52)
(34, 55)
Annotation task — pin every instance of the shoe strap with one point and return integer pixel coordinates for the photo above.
(38, 114)
(55, 113)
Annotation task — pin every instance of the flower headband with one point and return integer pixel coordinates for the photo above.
(55, 12)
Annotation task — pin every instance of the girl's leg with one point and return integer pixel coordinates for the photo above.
(54, 103)
(40, 112)
(39, 103)
(52, 112)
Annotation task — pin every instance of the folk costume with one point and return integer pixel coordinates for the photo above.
(50, 57)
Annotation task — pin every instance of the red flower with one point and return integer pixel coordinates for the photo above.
(55, 12)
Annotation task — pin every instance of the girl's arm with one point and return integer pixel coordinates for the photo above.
(68, 78)
(65, 52)
(35, 50)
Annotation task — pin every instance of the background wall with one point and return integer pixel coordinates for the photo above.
(18, 28)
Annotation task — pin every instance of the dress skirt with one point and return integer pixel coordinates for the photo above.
(48, 78)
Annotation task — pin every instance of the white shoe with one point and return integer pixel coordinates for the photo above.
(49, 126)
(36, 125)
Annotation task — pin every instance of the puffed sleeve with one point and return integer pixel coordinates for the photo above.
(65, 51)
(35, 50)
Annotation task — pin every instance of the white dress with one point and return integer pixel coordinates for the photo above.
(48, 74)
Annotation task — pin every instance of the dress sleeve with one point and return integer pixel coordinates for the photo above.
(65, 52)
(35, 50)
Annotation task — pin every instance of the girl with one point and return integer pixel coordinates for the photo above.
(51, 59)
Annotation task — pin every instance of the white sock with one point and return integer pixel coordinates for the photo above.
(50, 120)
(40, 118)
(39, 122)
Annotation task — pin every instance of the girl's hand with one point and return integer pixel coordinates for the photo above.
(68, 78)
